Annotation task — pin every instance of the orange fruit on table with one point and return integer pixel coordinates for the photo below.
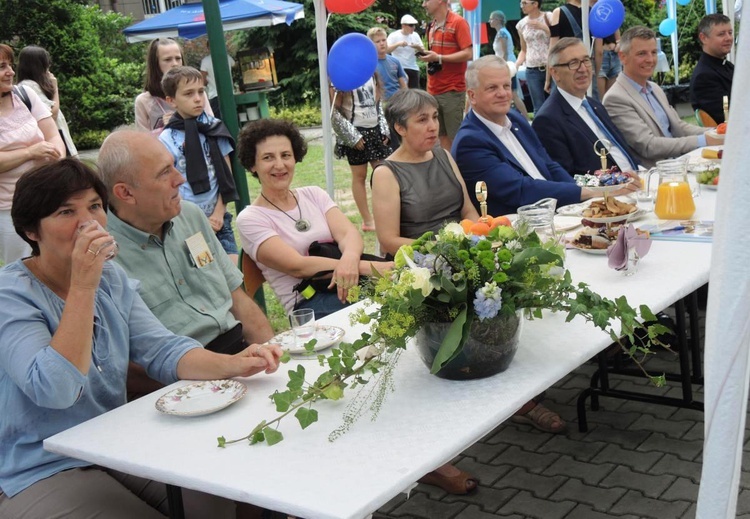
(721, 129)
(466, 225)
(501, 220)
(480, 229)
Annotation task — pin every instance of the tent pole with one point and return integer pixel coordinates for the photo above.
(225, 90)
(325, 101)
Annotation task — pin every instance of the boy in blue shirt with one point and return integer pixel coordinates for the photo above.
(389, 68)
(200, 145)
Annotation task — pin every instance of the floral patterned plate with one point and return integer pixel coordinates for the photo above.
(199, 398)
(327, 336)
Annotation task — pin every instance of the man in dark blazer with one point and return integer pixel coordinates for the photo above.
(712, 76)
(500, 148)
(572, 126)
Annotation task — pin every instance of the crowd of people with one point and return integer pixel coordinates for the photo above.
(81, 334)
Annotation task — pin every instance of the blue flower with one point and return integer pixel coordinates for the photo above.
(487, 301)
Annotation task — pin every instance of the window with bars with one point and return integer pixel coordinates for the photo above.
(152, 7)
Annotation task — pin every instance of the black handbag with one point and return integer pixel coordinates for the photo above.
(319, 281)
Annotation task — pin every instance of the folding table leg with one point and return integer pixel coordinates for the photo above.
(174, 497)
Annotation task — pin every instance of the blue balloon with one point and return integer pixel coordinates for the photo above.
(683, 2)
(352, 61)
(667, 26)
(606, 17)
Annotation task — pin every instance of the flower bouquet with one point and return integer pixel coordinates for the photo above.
(468, 284)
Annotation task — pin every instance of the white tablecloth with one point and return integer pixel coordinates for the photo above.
(424, 423)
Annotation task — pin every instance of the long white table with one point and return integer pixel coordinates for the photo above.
(424, 423)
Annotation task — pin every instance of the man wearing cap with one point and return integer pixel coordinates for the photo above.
(403, 44)
(450, 47)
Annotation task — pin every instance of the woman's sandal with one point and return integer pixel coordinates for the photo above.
(541, 418)
(460, 484)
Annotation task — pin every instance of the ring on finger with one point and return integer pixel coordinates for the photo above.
(95, 253)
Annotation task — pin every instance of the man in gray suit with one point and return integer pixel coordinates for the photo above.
(640, 110)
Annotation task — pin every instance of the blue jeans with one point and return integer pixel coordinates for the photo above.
(226, 235)
(323, 303)
(535, 82)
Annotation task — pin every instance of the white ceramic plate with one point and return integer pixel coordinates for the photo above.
(607, 189)
(710, 187)
(199, 398)
(638, 213)
(712, 133)
(327, 336)
(566, 223)
(597, 252)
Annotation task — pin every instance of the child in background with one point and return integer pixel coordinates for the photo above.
(200, 145)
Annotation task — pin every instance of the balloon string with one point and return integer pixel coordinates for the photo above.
(333, 102)
(328, 19)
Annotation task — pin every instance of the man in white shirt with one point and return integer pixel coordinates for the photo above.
(497, 145)
(573, 126)
(207, 69)
(403, 45)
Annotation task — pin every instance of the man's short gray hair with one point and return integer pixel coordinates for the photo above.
(640, 32)
(406, 103)
(708, 22)
(116, 161)
(563, 43)
(472, 71)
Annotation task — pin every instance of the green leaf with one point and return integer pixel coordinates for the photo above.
(283, 400)
(646, 313)
(306, 416)
(222, 441)
(285, 357)
(451, 343)
(272, 436)
(257, 437)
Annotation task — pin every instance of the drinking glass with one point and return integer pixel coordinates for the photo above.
(111, 244)
(303, 325)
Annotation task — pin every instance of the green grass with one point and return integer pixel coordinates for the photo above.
(311, 172)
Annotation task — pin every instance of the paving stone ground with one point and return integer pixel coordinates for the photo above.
(637, 460)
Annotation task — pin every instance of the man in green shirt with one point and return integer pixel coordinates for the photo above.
(187, 280)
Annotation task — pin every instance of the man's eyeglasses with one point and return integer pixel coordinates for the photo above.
(526, 3)
(575, 64)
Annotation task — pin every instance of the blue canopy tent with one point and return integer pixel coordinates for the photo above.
(188, 20)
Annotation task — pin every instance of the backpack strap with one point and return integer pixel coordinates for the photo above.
(21, 92)
(577, 31)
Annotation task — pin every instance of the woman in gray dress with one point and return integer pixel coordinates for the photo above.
(418, 188)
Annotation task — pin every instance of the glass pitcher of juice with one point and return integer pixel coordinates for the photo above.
(674, 196)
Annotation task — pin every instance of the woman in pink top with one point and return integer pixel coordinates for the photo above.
(152, 112)
(278, 228)
(28, 138)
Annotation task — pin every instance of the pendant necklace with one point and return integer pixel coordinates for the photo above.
(300, 224)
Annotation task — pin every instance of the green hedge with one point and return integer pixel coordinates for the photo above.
(303, 116)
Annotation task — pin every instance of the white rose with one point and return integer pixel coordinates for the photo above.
(455, 229)
(420, 280)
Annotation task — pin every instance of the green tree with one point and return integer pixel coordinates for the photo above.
(98, 73)
(295, 47)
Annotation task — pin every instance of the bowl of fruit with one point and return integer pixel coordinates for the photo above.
(708, 176)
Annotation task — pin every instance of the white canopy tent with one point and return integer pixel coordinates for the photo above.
(727, 362)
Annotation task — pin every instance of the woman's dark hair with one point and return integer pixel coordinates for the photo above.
(257, 131)
(33, 64)
(40, 192)
(153, 72)
(7, 53)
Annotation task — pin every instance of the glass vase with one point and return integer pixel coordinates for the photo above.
(488, 350)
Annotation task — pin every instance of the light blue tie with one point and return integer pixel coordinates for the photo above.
(607, 134)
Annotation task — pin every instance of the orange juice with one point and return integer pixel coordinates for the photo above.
(674, 201)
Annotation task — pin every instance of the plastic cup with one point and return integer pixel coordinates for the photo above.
(303, 324)
(110, 247)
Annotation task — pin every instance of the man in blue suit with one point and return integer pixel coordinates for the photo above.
(572, 126)
(499, 147)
